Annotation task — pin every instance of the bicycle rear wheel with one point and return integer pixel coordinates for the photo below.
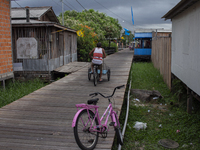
(108, 74)
(89, 73)
(85, 139)
(118, 132)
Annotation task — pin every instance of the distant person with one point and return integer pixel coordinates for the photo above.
(98, 55)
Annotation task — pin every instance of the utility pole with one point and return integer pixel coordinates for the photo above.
(62, 14)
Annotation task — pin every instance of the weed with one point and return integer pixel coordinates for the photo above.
(163, 121)
(16, 90)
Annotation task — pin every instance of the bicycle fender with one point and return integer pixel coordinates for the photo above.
(76, 116)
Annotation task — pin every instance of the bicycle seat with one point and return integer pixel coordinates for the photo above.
(92, 101)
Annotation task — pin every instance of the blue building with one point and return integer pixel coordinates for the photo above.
(143, 43)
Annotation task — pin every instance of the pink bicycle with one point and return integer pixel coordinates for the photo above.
(88, 125)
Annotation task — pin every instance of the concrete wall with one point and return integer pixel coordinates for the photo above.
(6, 63)
(186, 47)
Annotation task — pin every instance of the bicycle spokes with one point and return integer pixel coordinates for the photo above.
(85, 137)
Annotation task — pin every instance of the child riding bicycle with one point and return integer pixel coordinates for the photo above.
(98, 55)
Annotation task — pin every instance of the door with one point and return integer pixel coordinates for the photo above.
(70, 47)
(61, 49)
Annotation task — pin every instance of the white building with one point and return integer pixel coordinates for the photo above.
(185, 18)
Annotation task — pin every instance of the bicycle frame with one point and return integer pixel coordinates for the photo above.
(87, 124)
(103, 127)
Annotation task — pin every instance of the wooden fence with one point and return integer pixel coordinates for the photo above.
(161, 57)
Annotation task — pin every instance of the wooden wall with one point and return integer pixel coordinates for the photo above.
(161, 57)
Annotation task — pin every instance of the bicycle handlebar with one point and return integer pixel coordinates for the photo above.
(119, 87)
(96, 93)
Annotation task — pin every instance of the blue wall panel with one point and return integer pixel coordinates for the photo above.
(142, 51)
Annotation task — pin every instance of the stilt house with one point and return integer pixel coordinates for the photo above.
(185, 65)
(40, 43)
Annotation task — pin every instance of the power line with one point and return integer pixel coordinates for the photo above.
(22, 7)
(91, 13)
(81, 5)
(57, 3)
(60, 5)
(67, 6)
(107, 9)
(64, 4)
(71, 5)
(111, 11)
(18, 4)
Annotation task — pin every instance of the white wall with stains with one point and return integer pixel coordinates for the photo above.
(186, 47)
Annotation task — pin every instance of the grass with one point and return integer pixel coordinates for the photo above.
(16, 90)
(170, 117)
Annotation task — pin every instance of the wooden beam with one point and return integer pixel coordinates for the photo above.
(189, 101)
(196, 96)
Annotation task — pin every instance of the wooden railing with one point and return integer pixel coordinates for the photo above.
(110, 50)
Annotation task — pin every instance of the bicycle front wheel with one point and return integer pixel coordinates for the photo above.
(85, 138)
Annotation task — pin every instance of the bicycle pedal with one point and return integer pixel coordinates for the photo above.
(112, 124)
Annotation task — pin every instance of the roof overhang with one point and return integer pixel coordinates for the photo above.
(64, 28)
(143, 35)
(50, 13)
(35, 23)
(180, 7)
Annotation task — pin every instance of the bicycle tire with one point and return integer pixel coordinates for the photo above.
(118, 131)
(108, 74)
(89, 74)
(95, 75)
(84, 138)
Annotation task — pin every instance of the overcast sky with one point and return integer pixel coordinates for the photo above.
(147, 13)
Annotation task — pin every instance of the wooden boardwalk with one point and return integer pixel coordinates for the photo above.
(42, 120)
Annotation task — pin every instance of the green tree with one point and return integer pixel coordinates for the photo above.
(96, 26)
(127, 38)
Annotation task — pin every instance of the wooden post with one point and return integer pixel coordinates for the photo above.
(189, 101)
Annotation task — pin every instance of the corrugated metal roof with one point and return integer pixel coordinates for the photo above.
(19, 18)
(35, 13)
(31, 22)
(180, 7)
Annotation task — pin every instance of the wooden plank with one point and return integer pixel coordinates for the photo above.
(72, 67)
(42, 120)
